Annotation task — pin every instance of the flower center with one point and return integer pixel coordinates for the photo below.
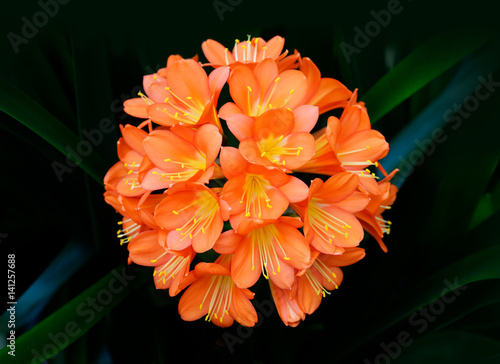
(208, 206)
(220, 300)
(323, 270)
(273, 148)
(324, 223)
(170, 268)
(263, 239)
(254, 195)
(187, 111)
(264, 105)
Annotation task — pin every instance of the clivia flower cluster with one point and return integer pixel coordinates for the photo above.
(182, 189)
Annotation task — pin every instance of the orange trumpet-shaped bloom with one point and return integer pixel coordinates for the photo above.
(371, 217)
(137, 215)
(194, 216)
(180, 154)
(288, 309)
(154, 89)
(315, 283)
(249, 52)
(329, 222)
(273, 249)
(277, 138)
(124, 175)
(349, 144)
(326, 93)
(170, 267)
(189, 95)
(214, 294)
(255, 191)
(322, 276)
(264, 88)
(170, 274)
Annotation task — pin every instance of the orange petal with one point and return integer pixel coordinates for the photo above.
(145, 250)
(274, 46)
(228, 242)
(134, 137)
(186, 78)
(242, 310)
(306, 117)
(295, 190)
(136, 107)
(241, 125)
(343, 237)
(330, 95)
(163, 114)
(203, 242)
(130, 186)
(307, 298)
(295, 246)
(246, 264)
(216, 53)
(162, 144)
(353, 118)
(354, 203)
(350, 256)
(216, 81)
(289, 311)
(338, 187)
(313, 76)
(208, 140)
(244, 89)
(176, 241)
(231, 161)
(266, 72)
(371, 146)
(176, 209)
(189, 304)
(228, 109)
(158, 93)
(274, 123)
(156, 179)
(303, 144)
(289, 91)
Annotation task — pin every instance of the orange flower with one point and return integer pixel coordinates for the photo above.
(249, 52)
(263, 88)
(288, 309)
(326, 93)
(214, 295)
(255, 191)
(193, 215)
(329, 223)
(322, 276)
(274, 249)
(137, 216)
(154, 89)
(371, 217)
(278, 138)
(170, 267)
(349, 144)
(189, 95)
(124, 175)
(180, 154)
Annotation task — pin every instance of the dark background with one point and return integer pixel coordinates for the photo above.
(91, 56)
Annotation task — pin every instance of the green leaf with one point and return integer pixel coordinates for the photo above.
(482, 265)
(451, 347)
(75, 318)
(423, 65)
(24, 109)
